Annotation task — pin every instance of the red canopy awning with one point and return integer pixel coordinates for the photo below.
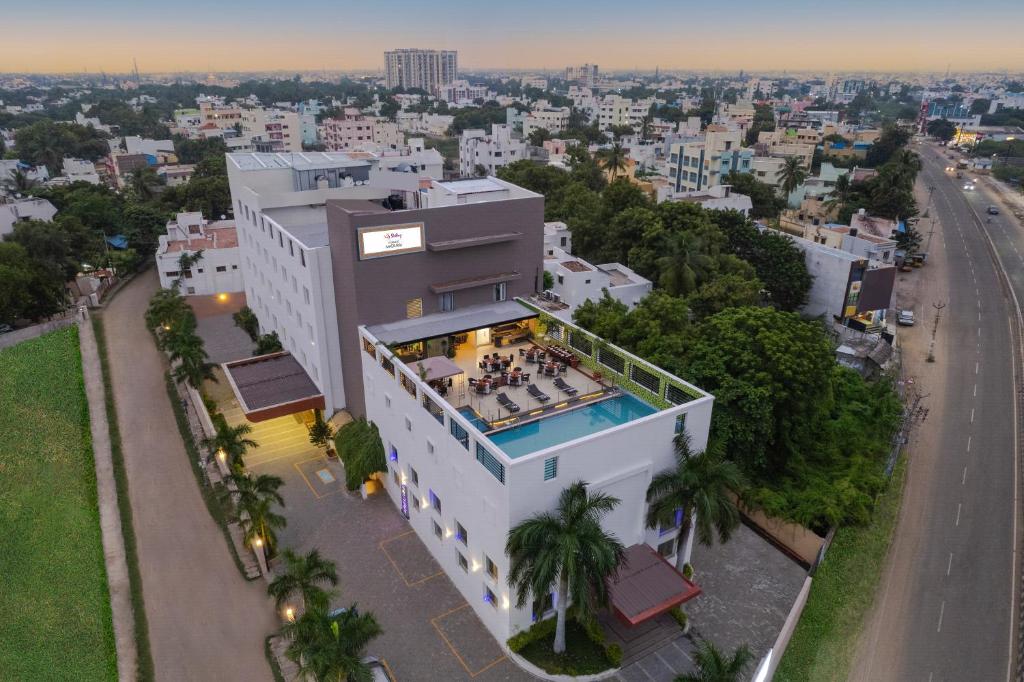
(646, 586)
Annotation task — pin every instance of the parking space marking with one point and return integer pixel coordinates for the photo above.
(451, 647)
(307, 481)
(398, 570)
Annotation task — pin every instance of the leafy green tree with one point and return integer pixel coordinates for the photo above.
(538, 136)
(770, 374)
(892, 139)
(232, 441)
(791, 175)
(583, 168)
(194, 151)
(765, 201)
(716, 666)
(941, 129)
(145, 183)
(698, 488)
(724, 291)
(191, 357)
(27, 290)
(47, 143)
(305, 576)
(619, 132)
(567, 550)
(18, 182)
(331, 648)
(361, 450)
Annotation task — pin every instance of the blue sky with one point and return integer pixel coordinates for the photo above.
(264, 34)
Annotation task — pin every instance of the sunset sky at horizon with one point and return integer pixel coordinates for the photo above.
(260, 35)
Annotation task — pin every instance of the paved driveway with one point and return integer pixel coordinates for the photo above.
(205, 621)
(430, 631)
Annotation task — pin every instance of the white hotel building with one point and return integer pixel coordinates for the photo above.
(404, 300)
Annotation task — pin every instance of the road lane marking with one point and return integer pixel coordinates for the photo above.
(949, 566)
(975, 390)
(958, 506)
(972, 415)
(963, 479)
(942, 610)
(968, 443)
(975, 368)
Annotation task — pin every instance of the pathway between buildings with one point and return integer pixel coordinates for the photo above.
(205, 621)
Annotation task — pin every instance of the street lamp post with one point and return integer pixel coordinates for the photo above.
(935, 328)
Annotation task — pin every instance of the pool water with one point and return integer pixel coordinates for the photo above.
(471, 416)
(583, 421)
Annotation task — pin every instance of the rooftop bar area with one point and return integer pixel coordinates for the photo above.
(520, 378)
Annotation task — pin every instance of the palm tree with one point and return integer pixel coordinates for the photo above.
(684, 265)
(791, 175)
(841, 193)
(567, 550)
(192, 366)
(250, 490)
(260, 522)
(330, 648)
(714, 666)
(232, 441)
(612, 159)
(320, 432)
(699, 487)
(144, 182)
(303, 576)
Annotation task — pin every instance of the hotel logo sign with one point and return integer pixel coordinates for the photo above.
(390, 240)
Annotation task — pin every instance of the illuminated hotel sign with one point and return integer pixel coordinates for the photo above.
(390, 240)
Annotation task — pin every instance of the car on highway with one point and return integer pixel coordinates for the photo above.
(992, 210)
(969, 187)
(5, 328)
(905, 318)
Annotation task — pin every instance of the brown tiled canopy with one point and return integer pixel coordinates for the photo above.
(646, 586)
(273, 385)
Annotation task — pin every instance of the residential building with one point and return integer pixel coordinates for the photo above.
(428, 70)
(575, 281)
(716, 198)
(695, 166)
(538, 82)
(272, 130)
(789, 142)
(217, 272)
(847, 288)
(583, 74)
(616, 110)
(176, 174)
(21, 210)
(552, 119)
(768, 169)
(461, 92)
(133, 144)
(494, 151)
(80, 170)
(219, 115)
(357, 131)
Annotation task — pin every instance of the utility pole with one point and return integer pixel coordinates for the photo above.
(935, 328)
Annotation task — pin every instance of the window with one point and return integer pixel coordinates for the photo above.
(550, 468)
(414, 308)
(461, 559)
(172, 273)
(188, 274)
(414, 477)
(675, 395)
(435, 502)
(408, 424)
(302, 257)
(221, 268)
(430, 447)
(437, 530)
(680, 423)
(459, 433)
(648, 380)
(395, 477)
(611, 360)
(563, 241)
(191, 290)
(305, 295)
(667, 548)
(490, 597)
(448, 302)
(461, 534)
(561, 279)
(500, 291)
(580, 342)
(492, 568)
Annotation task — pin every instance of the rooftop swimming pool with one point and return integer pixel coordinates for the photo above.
(546, 432)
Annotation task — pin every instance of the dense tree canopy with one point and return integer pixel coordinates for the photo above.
(47, 143)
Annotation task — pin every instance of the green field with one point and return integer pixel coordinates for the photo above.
(53, 585)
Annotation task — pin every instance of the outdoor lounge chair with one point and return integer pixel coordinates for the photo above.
(507, 403)
(537, 393)
(562, 386)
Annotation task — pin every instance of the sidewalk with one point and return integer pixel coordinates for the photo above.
(205, 621)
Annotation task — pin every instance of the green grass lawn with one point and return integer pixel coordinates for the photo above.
(53, 585)
(825, 639)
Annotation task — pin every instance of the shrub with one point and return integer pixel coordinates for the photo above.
(539, 630)
(688, 571)
(679, 616)
(614, 653)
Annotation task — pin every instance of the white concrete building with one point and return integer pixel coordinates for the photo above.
(133, 144)
(698, 165)
(462, 92)
(272, 130)
(584, 74)
(552, 119)
(616, 110)
(768, 169)
(217, 272)
(80, 170)
(24, 209)
(425, 69)
(494, 151)
(717, 198)
(574, 281)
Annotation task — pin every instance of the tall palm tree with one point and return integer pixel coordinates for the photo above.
(193, 367)
(303, 576)
(715, 666)
(259, 521)
(791, 175)
(684, 264)
(330, 648)
(841, 192)
(699, 487)
(251, 489)
(613, 159)
(232, 440)
(567, 550)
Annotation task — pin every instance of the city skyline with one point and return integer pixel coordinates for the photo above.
(66, 37)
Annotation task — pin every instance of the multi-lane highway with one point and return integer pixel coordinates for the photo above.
(946, 607)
